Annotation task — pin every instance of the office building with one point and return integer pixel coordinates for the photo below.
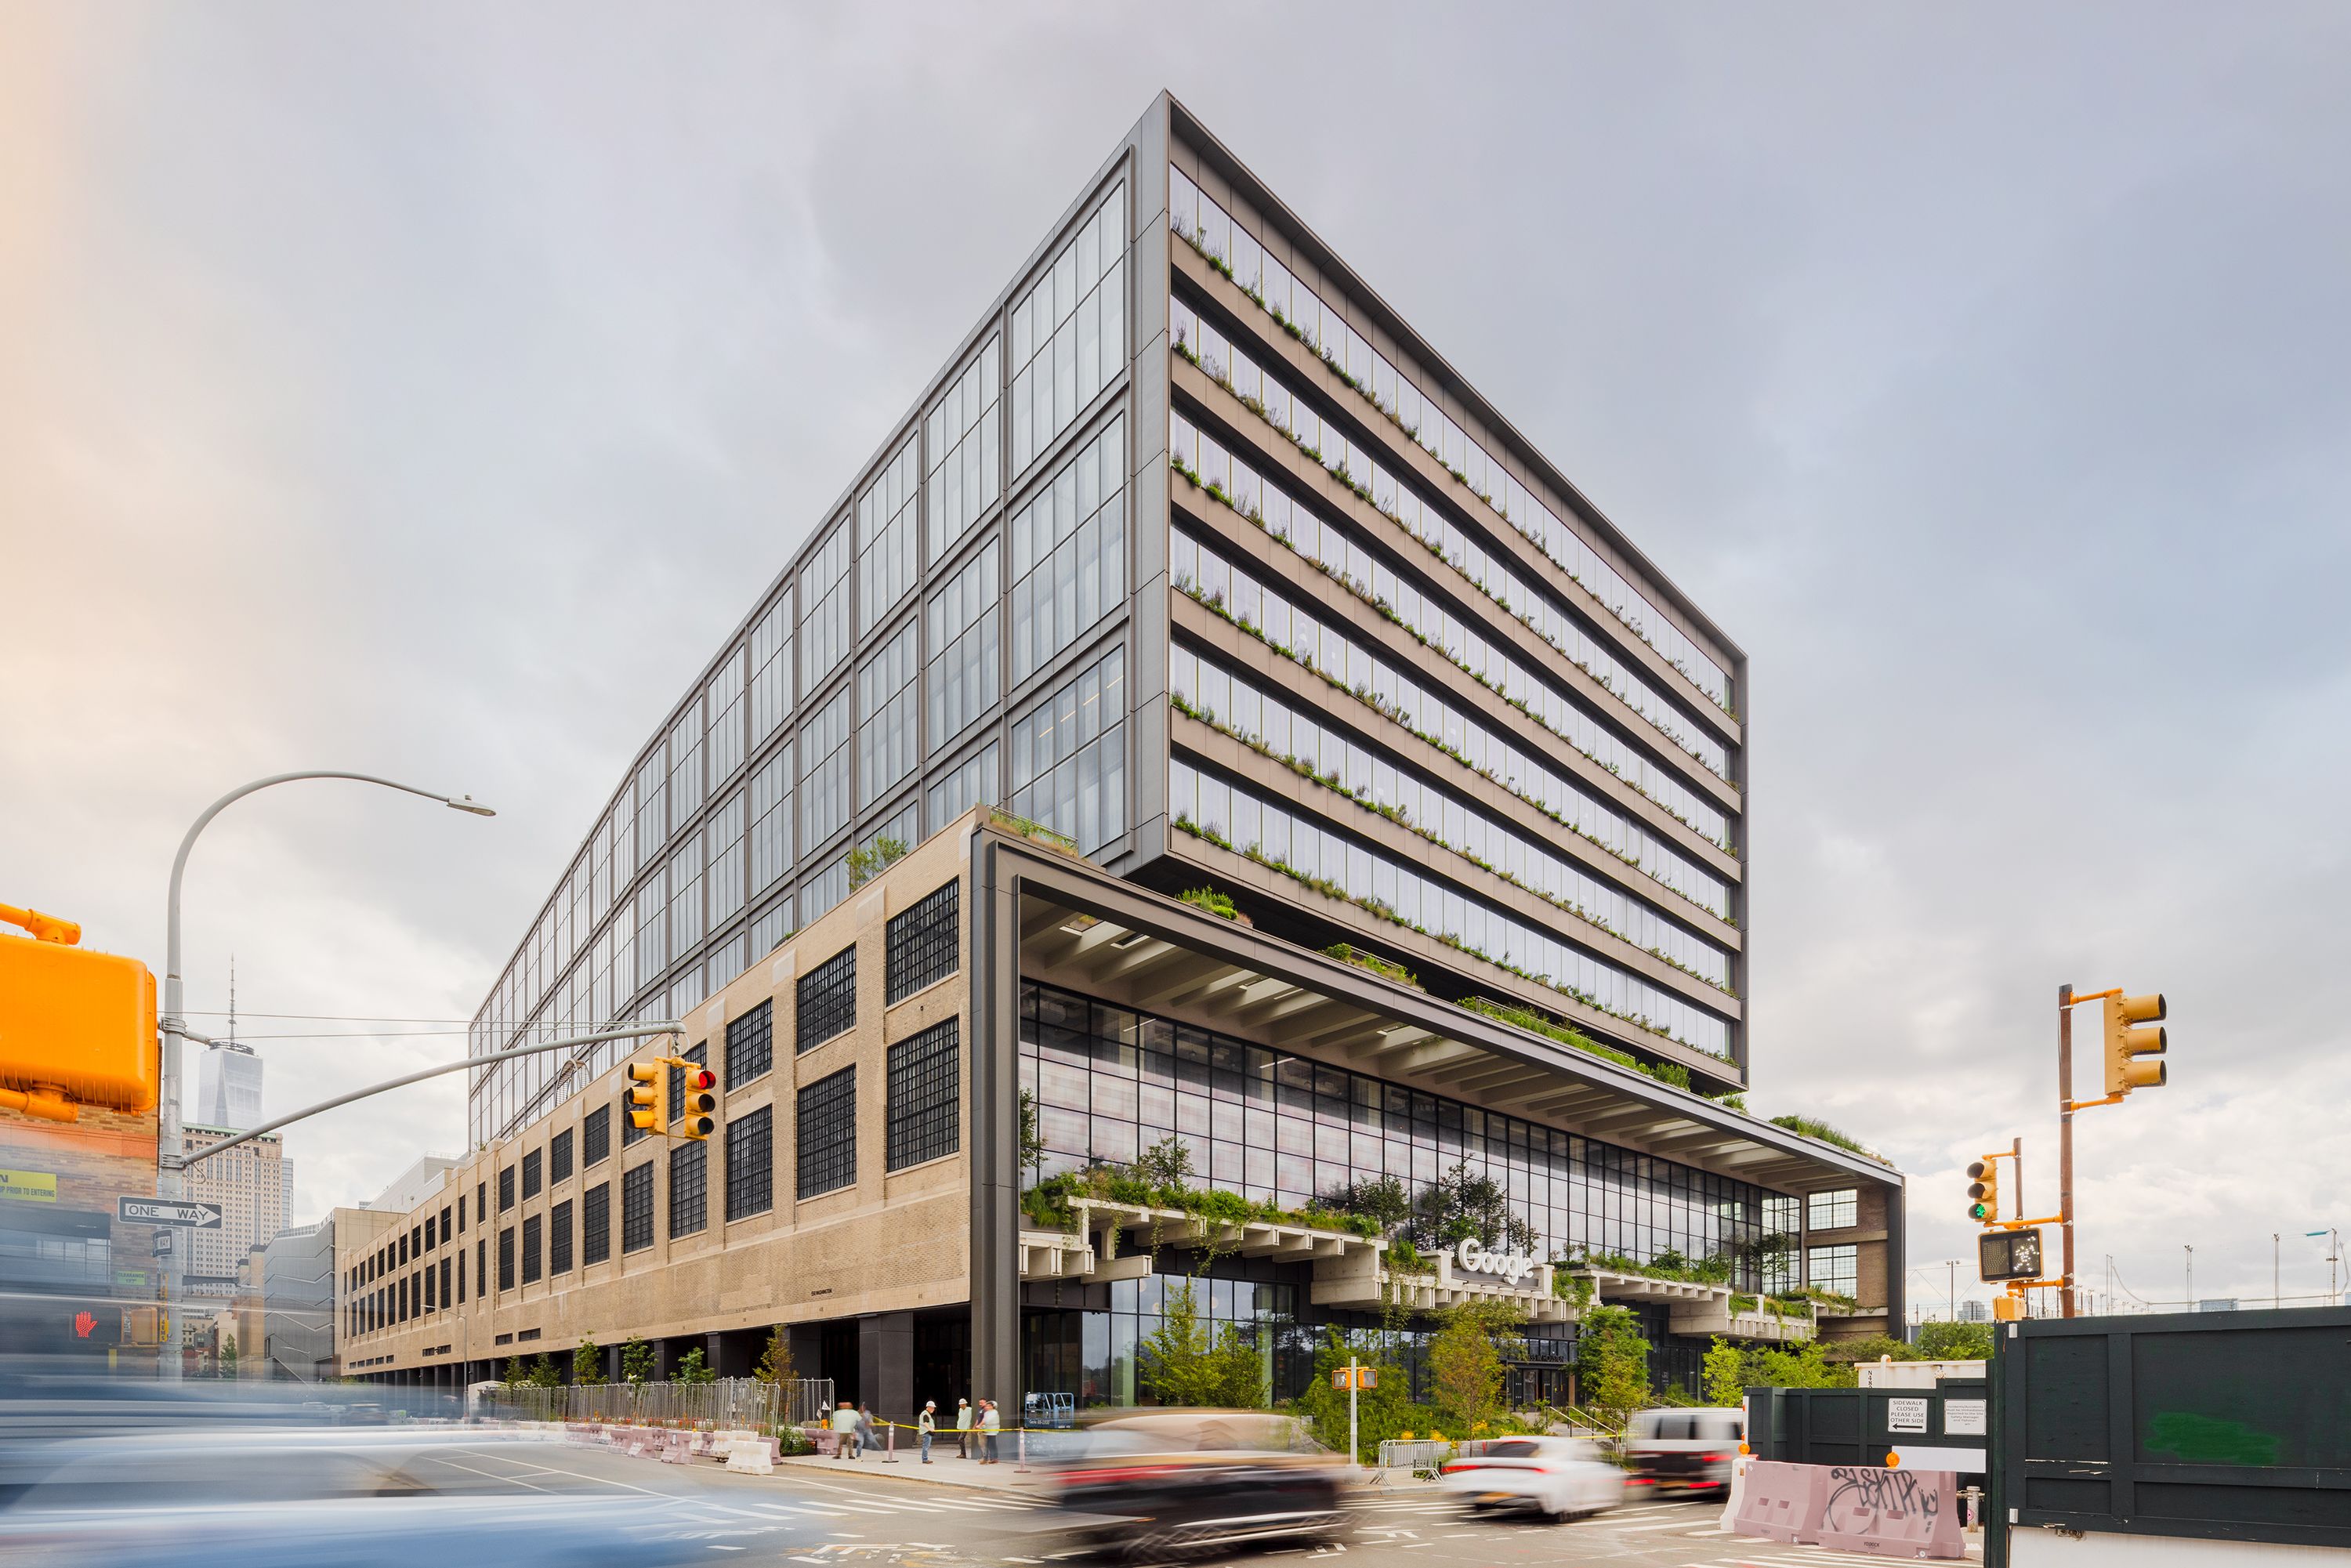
(296, 1286)
(228, 1087)
(249, 1183)
(1195, 554)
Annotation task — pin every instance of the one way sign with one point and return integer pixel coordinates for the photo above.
(167, 1211)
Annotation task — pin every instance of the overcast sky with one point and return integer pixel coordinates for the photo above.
(425, 390)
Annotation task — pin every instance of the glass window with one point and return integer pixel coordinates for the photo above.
(698, 1054)
(533, 1172)
(686, 777)
(924, 1100)
(1836, 1268)
(722, 700)
(558, 1238)
(596, 1223)
(886, 733)
(961, 436)
(921, 945)
(1834, 1210)
(885, 539)
(534, 1254)
(1069, 756)
(596, 1135)
(689, 1181)
(822, 891)
(825, 1001)
(751, 1164)
(771, 821)
(750, 1048)
(824, 772)
(826, 1125)
(824, 607)
(506, 1188)
(637, 1208)
(978, 782)
(1069, 331)
(1068, 564)
(771, 668)
(725, 837)
(775, 922)
(965, 656)
(506, 1258)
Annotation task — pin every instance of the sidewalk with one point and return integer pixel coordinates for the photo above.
(944, 1468)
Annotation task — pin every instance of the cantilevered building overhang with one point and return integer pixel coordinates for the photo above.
(1042, 915)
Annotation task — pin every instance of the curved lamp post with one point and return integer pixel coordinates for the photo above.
(167, 1129)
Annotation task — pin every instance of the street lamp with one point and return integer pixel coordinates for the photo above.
(2334, 1256)
(167, 1127)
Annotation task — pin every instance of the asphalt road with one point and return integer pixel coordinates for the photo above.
(870, 1515)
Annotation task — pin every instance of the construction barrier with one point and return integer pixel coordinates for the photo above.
(1737, 1495)
(1891, 1513)
(1783, 1502)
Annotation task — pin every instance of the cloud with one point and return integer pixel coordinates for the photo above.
(426, 390)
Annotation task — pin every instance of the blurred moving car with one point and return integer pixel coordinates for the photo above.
(1684, 1451)
(1559, 1478)
(1147, 1483)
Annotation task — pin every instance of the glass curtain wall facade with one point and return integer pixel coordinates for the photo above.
(975, 570)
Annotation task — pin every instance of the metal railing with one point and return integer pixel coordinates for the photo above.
(728, 1402)
(1413, 1457)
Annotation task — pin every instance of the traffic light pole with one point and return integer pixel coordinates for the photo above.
(2065, 1142)
(173, 1026)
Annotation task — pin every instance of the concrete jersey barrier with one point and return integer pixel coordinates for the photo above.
(1851, 1507)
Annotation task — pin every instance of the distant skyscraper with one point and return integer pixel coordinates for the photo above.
(228, 1078)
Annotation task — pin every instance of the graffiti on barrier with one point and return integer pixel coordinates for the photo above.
(1854, 1486)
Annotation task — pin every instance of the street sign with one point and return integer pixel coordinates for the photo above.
(163, 1244)
(167, 1211)
(2008, 1254)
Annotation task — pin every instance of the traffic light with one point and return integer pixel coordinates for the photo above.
(2134, 1029)
(77, 1028)
(640, 1101)
(1983, 1190)
(700, 1102)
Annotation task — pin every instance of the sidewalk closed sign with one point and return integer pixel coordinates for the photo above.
(1906, 1414)
(29, 1186)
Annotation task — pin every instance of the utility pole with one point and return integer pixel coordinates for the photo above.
(2065, 1139)
(2191, 1277)
(2275, 1301)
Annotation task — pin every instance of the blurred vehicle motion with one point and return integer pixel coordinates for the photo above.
(1684, 1451)
(1559, 1478)
(1146, 1484)
(100, 1473)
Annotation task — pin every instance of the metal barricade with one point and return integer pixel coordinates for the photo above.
(1413, 1457)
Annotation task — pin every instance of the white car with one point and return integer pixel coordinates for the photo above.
(1559, 1478)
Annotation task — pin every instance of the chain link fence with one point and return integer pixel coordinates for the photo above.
(726, 1402)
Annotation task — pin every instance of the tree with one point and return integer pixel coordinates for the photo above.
(1382, 1410)
(1381, 1199)
(542, 1372)
(1458, 1207)
(776, 1361)
(1032, 1142)
(588, 1363)
(1955, 1341)
(1613, 1365)
(1724, 1373)
(515, 1377)
(693, 1368)
(1188, 1360)
(228, 1356)
(1167, 1163)
(1465, 1364)
(866, 862)
(637, 1362)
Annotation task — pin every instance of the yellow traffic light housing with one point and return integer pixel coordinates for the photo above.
(700, 1104)
(2134, 1030)
(1983, 1190)
(640, 1101)
(77, 1028)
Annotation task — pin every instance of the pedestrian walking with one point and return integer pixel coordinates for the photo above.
(925, 1424)
(989, 1422)
(867, 1437)
(963, 1428)
(844, 1429)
